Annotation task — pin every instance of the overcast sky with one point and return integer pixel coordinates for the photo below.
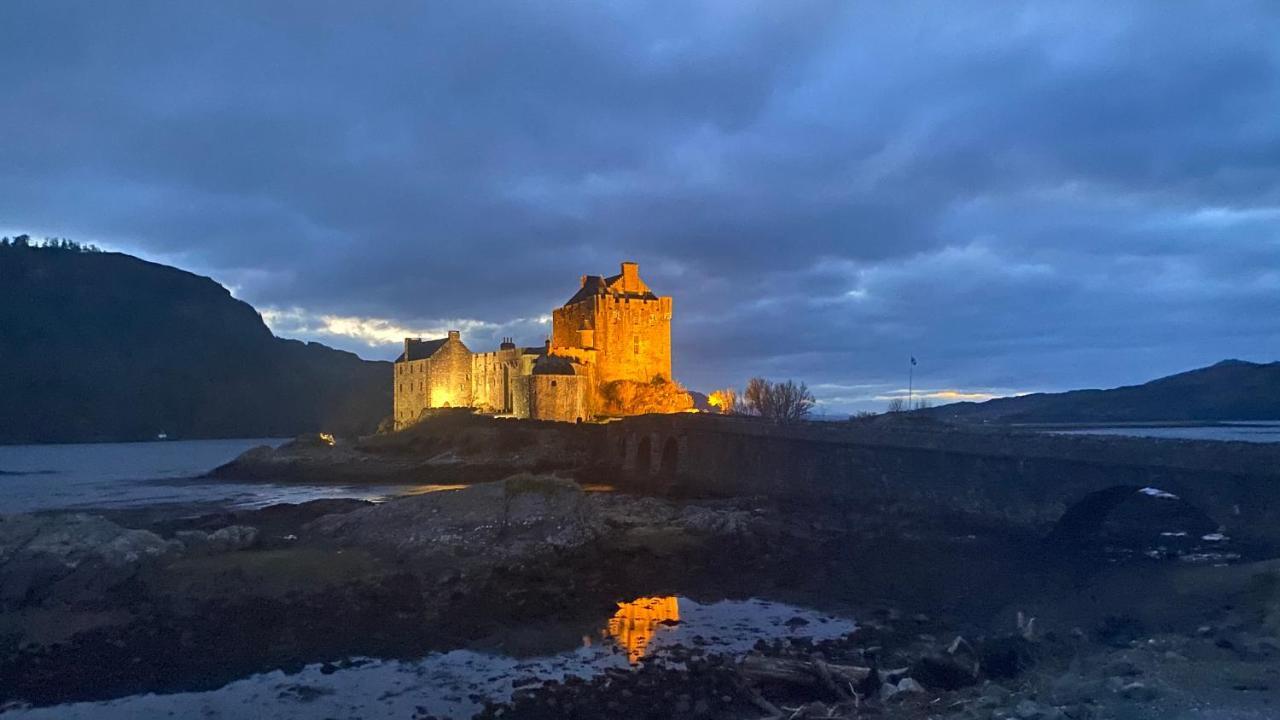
(1024, 197)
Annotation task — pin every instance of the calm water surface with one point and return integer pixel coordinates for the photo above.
(453, 684)
(1259, 432)
(125, 475)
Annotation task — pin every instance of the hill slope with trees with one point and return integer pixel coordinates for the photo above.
(101, 346)
(1229, 390)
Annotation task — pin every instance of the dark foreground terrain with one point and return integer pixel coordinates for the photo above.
(956, 618)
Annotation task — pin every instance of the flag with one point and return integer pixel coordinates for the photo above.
(913, 359)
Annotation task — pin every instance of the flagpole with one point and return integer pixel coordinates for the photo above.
(911, 382)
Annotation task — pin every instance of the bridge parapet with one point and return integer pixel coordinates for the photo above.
(1022, 477)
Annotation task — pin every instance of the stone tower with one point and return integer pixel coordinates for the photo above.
(618, 325)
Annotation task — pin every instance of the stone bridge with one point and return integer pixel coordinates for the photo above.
(1025, 478)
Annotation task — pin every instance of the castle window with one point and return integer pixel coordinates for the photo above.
(553, 383)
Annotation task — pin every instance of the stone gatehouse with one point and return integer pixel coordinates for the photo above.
(611, 340)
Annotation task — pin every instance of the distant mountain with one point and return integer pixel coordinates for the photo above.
(104, 346)
(1229, 390)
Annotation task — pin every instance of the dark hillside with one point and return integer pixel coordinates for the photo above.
(1229, 390)
(104, 346)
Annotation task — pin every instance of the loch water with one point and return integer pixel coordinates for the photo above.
(129, 475)
(1243, 431)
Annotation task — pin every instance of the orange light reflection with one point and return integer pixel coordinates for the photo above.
(633, 626)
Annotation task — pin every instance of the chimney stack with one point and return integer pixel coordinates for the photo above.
(454, 335)
(630, 277)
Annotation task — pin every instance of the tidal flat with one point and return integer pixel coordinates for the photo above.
(540, 596)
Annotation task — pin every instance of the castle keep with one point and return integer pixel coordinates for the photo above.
(609, 354)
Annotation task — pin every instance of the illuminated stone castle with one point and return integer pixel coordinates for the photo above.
(609, 354)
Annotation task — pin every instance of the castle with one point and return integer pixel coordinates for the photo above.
(609, 354)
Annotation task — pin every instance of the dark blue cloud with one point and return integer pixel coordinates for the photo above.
(1025, 197)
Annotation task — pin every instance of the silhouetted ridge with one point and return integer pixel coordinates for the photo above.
(1228, 390)
(105, 346)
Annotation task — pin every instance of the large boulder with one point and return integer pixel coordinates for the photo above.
(520, 515)
(70, 556)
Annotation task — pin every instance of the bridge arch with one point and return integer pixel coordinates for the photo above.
(644, 456)
(670, 463)
(1132, 515)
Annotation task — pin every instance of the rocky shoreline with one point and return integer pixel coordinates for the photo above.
(454, 446)
(955, 620)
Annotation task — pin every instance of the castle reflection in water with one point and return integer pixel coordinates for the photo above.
(633, 625)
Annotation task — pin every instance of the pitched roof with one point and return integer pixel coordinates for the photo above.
(597, 285)
(421, 349)
(593, 285)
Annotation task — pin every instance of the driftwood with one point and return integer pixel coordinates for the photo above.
(816, 673)
(756, 698)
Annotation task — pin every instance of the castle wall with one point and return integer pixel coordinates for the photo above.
(449, 377)
(410, 397)
(520, 395)
(491, 375)
(632, 336)
(558, 397)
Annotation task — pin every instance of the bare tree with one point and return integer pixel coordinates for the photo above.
(791, 402)
(924, 404)
(755, 398)
(896, 405)
(782, 402)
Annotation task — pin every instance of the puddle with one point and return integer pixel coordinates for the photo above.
(456, 684)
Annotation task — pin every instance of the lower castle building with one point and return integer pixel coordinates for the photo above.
(609, 354)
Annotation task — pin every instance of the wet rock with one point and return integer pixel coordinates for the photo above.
(1029, 710)
(1138, 692)
(70, 555)
(909, 686)
(1121, 667)
(1120, 630)
(234, 537)
(512, 518)
(943, 673)
(227, 539)
(995, 691)
(1004, 657)
(1074, 689)
(519, 519)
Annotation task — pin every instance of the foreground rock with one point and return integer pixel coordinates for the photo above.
(99, 610)
(982, 625)
(70, 556)
(524, 516)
